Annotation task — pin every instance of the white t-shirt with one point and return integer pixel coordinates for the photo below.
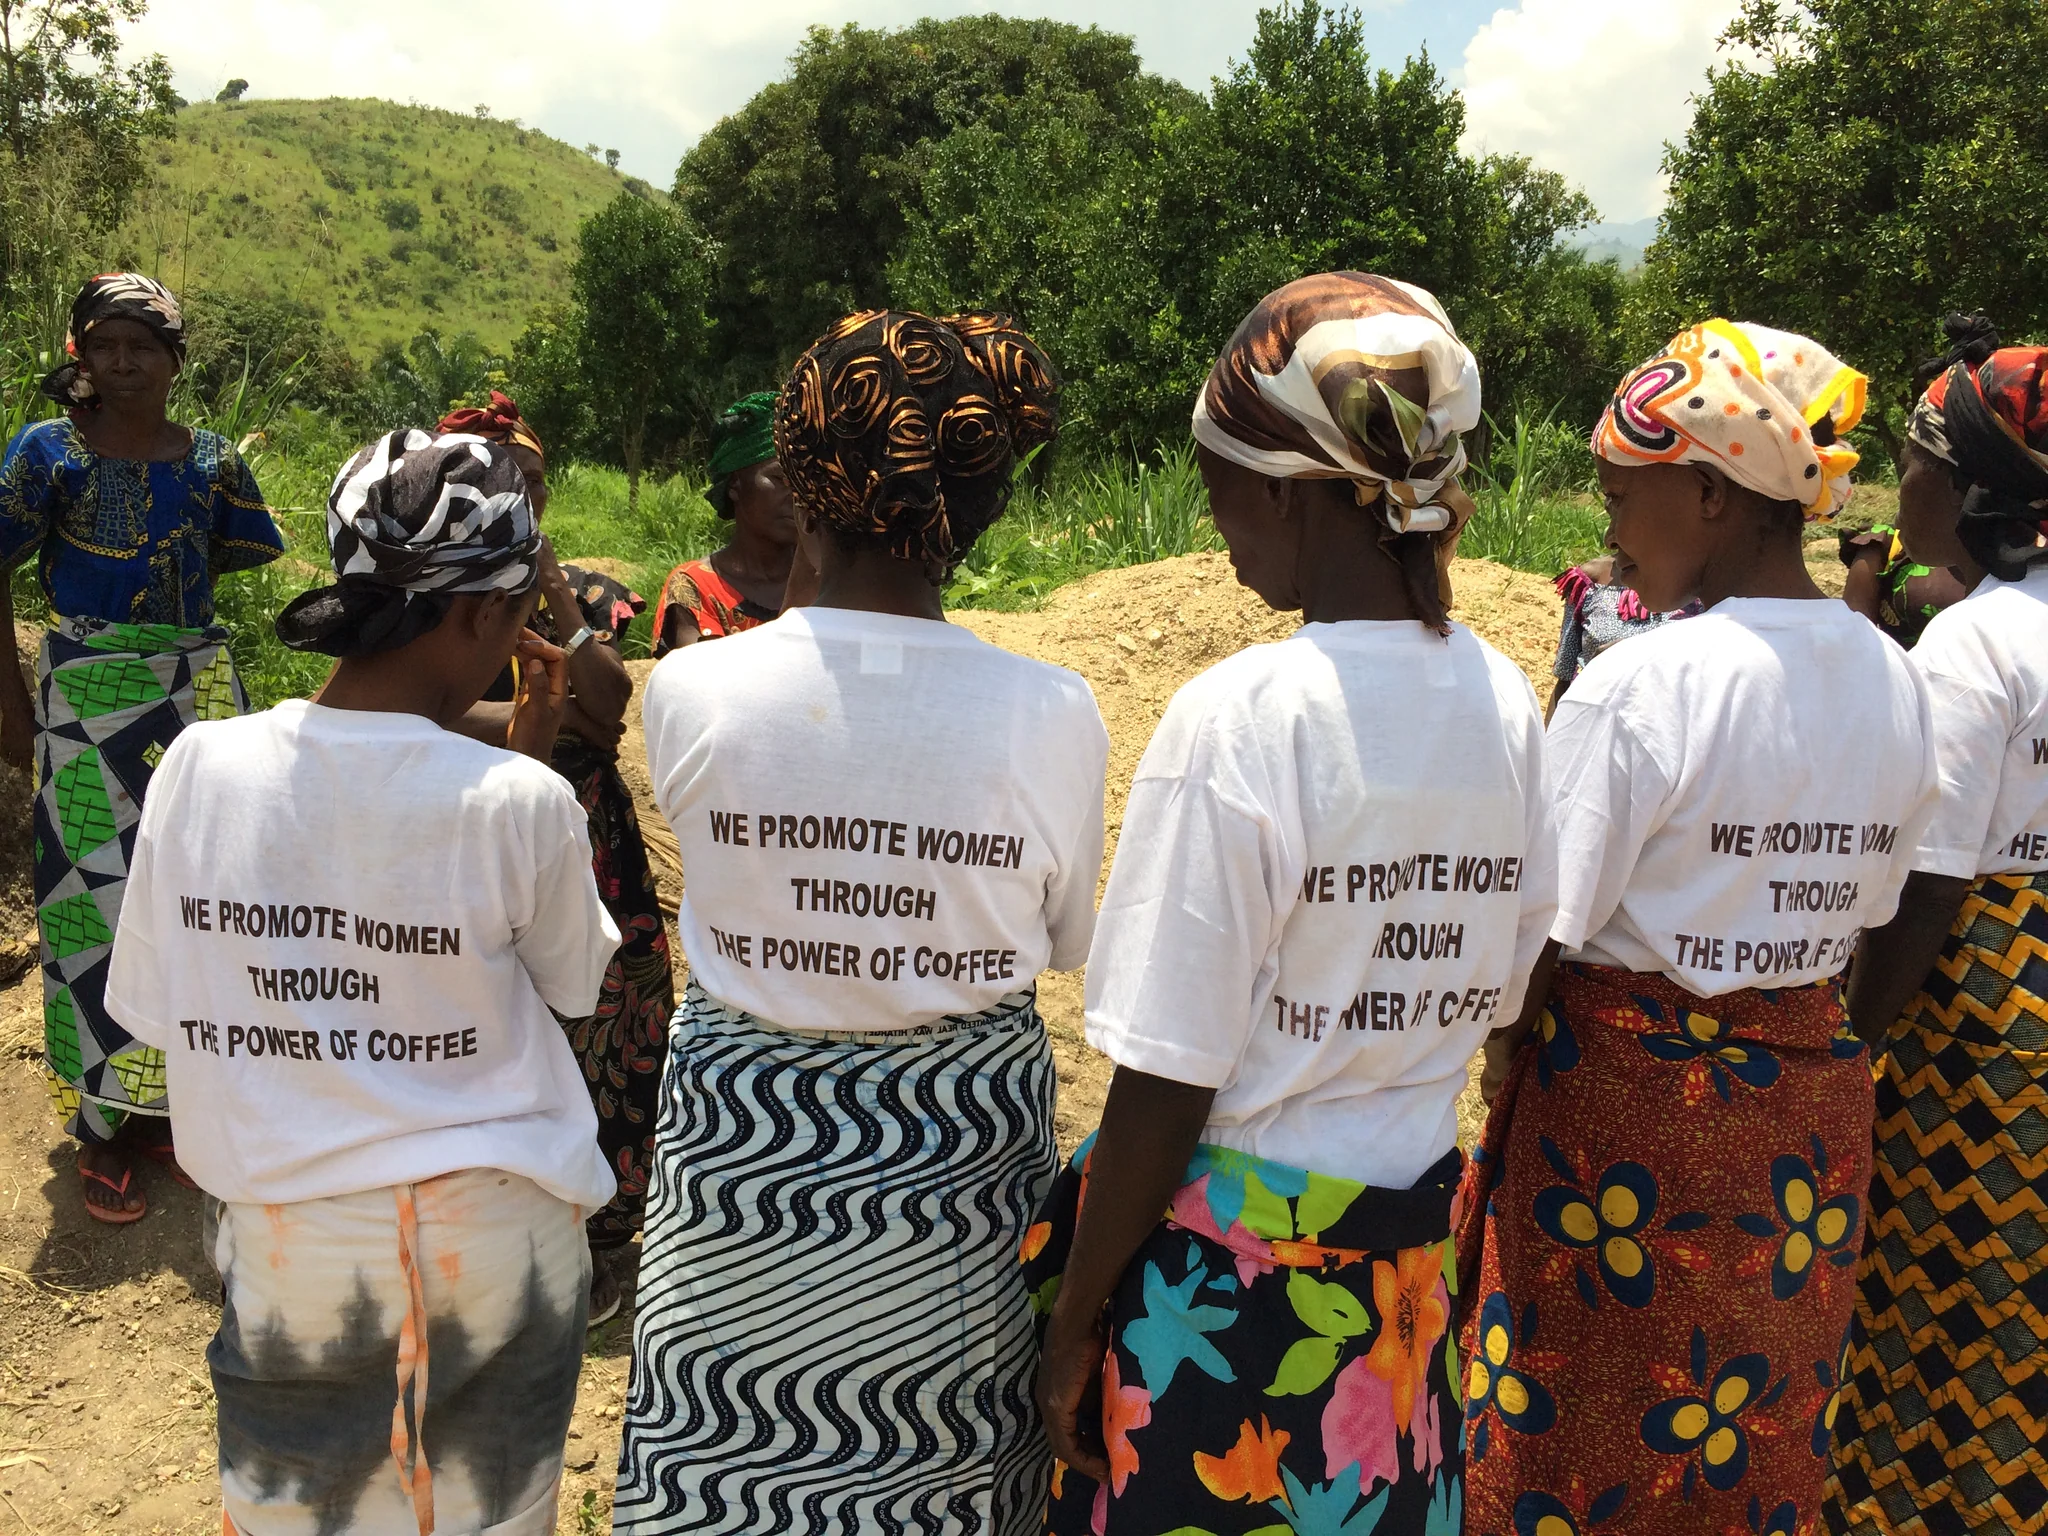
(1739, 794)
(883, 820)
(1986, 665)
(1335, 872)
(345, 929)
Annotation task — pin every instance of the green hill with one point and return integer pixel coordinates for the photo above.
(384, 217)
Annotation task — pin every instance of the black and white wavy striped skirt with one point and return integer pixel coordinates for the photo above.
(833, 1333)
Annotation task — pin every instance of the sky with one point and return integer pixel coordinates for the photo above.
(1591, 88)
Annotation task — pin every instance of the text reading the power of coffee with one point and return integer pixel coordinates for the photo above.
(289, 982)
(904, 897)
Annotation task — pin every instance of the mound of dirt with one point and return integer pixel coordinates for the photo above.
(1137, 634)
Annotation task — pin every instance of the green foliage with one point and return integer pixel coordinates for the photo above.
(806, 189)
(308, 201)
(75, 124)
(63, 87)
(1133, 258)
(553, 391)
(1535, 511)
(234, 90)
(262, 335)
(642, 279)
(1882, 166)
(1083, 520)
(416, 384)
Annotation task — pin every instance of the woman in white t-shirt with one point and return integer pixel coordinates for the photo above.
(1944, 1408)
(345, 926)
(1667, 1205)
(888, 828)
(1335, 872)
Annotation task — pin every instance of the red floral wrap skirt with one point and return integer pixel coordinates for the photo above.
(1659, 1238)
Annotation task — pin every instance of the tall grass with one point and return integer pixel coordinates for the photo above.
(1083, 519)
(1536, 511)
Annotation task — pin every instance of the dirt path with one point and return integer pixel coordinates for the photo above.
(106, 1416)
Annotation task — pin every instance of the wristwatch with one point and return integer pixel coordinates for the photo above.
(581, 638)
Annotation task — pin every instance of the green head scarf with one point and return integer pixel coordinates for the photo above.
(742, 436)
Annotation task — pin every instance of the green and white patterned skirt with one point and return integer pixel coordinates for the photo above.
(110, 699)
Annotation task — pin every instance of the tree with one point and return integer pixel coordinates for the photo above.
(256, 335)
(73, 124)
(415, 384)
(1882, 167)
(611, 159)
(1134, 262)
(807, 190)
(549, 381)
(234, 90)
(641, 281)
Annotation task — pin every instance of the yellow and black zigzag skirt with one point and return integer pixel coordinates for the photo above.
(1942, 1422)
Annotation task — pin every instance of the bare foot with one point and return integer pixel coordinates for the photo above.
(113, 1193)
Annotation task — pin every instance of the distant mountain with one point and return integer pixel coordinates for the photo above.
(1622, 243)
(384, 217)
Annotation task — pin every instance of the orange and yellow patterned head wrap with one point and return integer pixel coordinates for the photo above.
(1767, 408)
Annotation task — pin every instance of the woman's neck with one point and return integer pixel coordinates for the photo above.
(133, 430)
(874, 581)
(1344, 572)
(748, 558)
(1767, 568)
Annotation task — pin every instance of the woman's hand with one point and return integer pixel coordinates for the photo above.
(555, 590)
(1150, 1126)
(18, 740)
(1070, 1400)
(543, 695)
(605, 735)
(17, 706)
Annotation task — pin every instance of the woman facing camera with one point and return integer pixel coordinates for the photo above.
(132, 520)
(1335, 872)
(888, 828)
(1666, 1210)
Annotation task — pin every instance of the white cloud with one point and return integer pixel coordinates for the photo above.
(644, 76)
(1593, 88)
(634, 74)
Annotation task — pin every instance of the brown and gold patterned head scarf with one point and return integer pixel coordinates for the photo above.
(1347, 376)
(903, 429)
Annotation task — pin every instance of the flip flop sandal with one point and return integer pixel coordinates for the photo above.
(165, 1155)
(115, 1216)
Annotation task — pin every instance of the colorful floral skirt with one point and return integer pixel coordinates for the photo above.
(622, 1046)
(1661, 1229)
(1279, 1357)
(1943, 1422)
(110, 699)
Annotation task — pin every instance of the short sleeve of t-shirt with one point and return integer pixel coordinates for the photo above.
(243, 533)
(27, 496)
(1973, 724)
(565, 939)
(1610, 791)
(1192, 880)
(1070, 894)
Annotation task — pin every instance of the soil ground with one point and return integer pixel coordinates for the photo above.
(106, 1414)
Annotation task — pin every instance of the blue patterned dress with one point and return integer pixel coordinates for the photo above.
(127, 552)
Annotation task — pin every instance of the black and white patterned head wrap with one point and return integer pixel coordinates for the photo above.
(413, 520)
(112, 296)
